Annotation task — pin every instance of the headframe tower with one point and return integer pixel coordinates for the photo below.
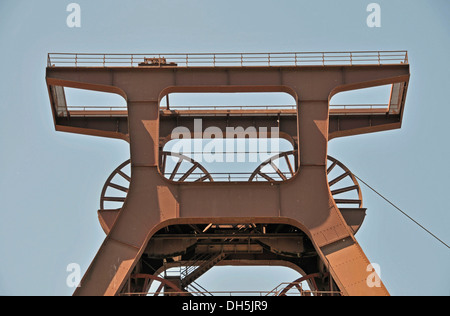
(167, 216)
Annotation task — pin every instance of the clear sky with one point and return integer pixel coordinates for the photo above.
(50, 182)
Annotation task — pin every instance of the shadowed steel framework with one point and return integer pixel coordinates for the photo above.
(169, 217)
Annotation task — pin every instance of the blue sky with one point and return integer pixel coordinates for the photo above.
(51, 182)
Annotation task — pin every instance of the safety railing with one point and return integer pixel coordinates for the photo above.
(228, 176)
(278, 292)
(122, 111)
(297, 289)
(201, 293)
(228, 59)
(97, 111)
(228, 107)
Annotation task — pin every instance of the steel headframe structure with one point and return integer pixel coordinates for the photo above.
(295, 218)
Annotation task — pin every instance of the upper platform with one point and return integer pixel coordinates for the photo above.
(240, 72)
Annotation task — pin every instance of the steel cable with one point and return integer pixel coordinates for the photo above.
(398, 209)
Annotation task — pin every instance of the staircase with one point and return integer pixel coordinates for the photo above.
(199, 266)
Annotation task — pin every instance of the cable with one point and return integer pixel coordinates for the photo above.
(412, 219)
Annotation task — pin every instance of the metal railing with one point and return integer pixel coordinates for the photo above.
(228, 107)
(229, 176)
(97, 111)
(122, 111)
(276, 292)
(202, 293)
(228, 59)
(297, 289)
